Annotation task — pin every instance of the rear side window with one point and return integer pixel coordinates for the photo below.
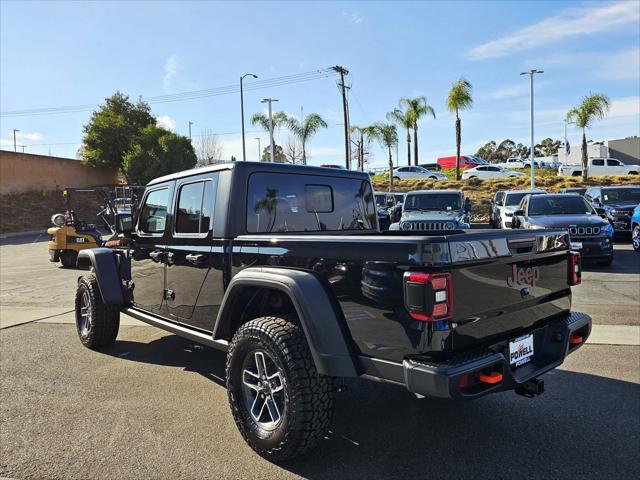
(153, 216)
(308, 203)
(194, 212)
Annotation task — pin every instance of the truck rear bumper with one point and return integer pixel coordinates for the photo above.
(476, 373)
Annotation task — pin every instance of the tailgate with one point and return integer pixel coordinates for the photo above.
(505, 284)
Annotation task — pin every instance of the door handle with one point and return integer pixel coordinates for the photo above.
(194, 258)
(156, 256)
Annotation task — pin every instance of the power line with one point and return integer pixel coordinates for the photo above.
(182, 96)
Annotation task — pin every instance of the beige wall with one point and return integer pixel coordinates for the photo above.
(21, 172)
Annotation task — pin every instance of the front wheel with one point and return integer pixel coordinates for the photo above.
(635, 238)
(280, 403)
(97, 323)
(68, 258)
(633, 173)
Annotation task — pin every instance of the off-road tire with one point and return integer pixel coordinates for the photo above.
(68, 258)
(308, 397)
(104, 319)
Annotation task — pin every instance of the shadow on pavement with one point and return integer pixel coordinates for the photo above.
(584, 426)
(624, 261)
(26, 238)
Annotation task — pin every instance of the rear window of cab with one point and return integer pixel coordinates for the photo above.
(308, 203)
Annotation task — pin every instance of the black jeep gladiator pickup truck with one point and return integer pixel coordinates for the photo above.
(284, 268)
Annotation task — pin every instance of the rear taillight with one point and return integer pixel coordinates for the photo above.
(428, 297)
(574, 268)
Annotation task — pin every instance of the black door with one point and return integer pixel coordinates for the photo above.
(148, 263)
(195, 260)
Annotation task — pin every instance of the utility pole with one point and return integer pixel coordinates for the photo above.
(531, 73)
(347, 149)
(244, 152)
(15, 148)
(259, 150)
(22, 147)
(190, 123)
(273, 150)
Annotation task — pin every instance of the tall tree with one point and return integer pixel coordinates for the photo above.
(487, 151)
(208, 148)
(459, 98)
(305, 129)
(416, 108)
(548, 147)
(405, 121)
(387, 136)
(593, 107)
(156, 152)
(112, 130)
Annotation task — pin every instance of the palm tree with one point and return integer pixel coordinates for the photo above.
(262, 119)
(305, 129)
(405, 121)
(459, 99)
(387, 136)
(593, 106)
(416, 108)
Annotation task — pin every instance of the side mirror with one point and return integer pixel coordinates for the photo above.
(518, 213)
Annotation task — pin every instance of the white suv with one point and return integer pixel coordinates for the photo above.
(401, 173)
(510, 202)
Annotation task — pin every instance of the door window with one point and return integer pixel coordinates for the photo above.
(193, 215)
(153, 217)
(613, 163)
(598, 162)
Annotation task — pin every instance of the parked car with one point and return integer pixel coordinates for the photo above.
(600, 167)
(388, 205)
(483, 172)
(494, 212)
(590, 234)
(429, 210)
(466, 161)
(513, 162)
(222, 255)
(403, 173)
(510, 203)
(617, 203)
(635, 228)
(578, 190)
(432, 166)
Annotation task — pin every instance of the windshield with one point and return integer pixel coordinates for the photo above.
(513, 199)
(617, 195)
(381, 200)
(444, 201)
(399, 198)
(560, 205)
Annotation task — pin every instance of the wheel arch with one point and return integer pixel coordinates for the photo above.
(105, 268)
(317, 312)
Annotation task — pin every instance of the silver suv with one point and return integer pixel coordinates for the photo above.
(430, 210)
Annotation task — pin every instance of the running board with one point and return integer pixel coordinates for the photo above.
(178, 329)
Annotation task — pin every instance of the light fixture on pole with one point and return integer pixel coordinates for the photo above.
(259, 150)
(15, 148)
(531, 73)
(273, 150)
(244, 153)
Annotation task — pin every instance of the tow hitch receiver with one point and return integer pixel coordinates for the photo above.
(531, 388)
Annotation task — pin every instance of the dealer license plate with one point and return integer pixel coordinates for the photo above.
(521, 350)
(576, 245)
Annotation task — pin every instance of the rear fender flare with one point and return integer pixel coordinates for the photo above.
(105, 267)
(320, 317)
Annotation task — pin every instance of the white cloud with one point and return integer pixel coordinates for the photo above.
(621, 66)
(30, 136)
(569, 23)
(353, 17)
(6, 142)
(165, 121)
(508, 91)
(172, 67)
(624, 107)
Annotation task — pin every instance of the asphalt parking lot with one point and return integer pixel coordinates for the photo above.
(154, 405)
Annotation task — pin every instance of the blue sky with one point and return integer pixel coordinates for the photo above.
(70, 53)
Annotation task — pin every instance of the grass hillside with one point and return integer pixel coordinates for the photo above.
(481, 191)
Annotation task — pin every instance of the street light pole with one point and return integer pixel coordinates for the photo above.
(244, 152)
(259, 150)
(190, 123)
(15, 148)
(531, 73)
(273, 150)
